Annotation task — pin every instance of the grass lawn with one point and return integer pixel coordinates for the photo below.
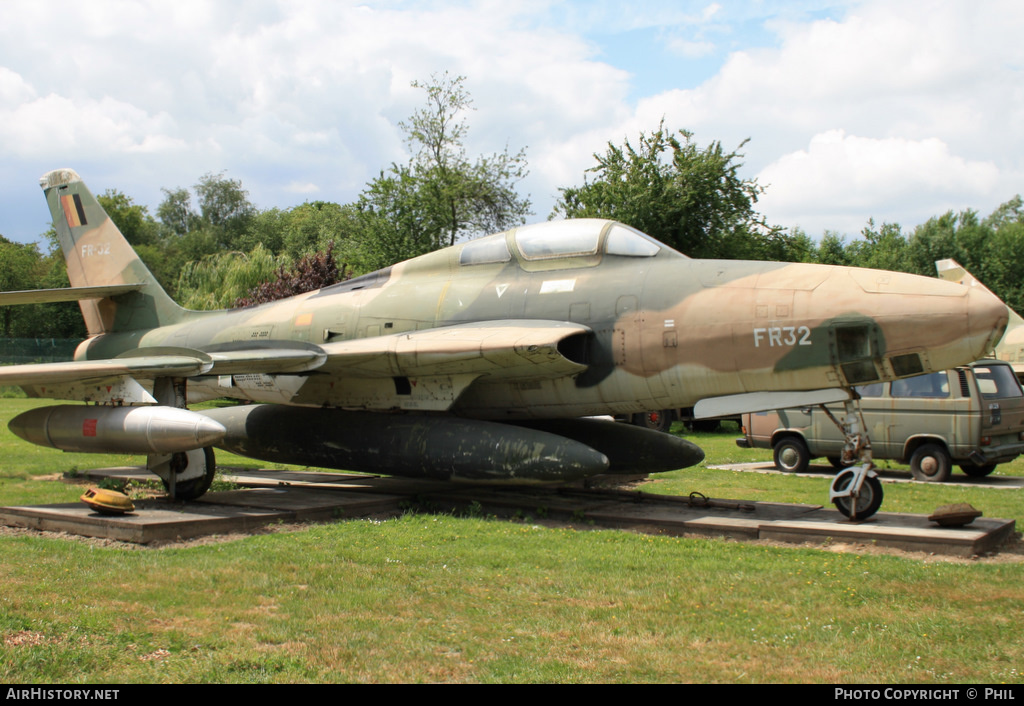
(440, 598)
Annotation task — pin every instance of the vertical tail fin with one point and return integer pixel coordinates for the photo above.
(97, 254)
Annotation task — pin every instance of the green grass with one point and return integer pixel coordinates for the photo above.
(426, 598)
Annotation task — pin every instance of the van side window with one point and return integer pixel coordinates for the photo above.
(935, 385)
(996, 382)
(873, 390)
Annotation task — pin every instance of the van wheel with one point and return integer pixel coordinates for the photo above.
(659, 420)
(978, 471)
(869, 500)
(791, 455)
(931, 463)
(838, 463)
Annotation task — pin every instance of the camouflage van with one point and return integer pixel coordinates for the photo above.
(972, 416)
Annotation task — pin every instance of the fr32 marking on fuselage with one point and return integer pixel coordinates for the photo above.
(776, 336)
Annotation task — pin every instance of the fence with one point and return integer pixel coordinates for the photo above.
(14, 351)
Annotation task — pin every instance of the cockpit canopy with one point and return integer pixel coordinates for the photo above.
(578, 239)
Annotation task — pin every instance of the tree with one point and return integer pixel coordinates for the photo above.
(176, 212)
(309, 273)
(19, 269)
(882, 249)
(690, 198)
(217, 281)
(441, 195)
(224, 213)
(224, 204)
(132, 219)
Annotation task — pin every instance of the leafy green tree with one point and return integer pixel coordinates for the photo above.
(442, 194)
(882, 249)
(690, 198)
(224, 204)
(832, 250)
(217, 281)
(133, 220)
(309, 273)
(304, 229)
(19, 269)
(175, 211)
(22, 267)
(224, 213)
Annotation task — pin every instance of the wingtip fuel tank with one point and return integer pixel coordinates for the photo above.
(131, 430)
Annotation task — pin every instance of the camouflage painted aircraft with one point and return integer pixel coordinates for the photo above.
(1011, 346)
(477, 362)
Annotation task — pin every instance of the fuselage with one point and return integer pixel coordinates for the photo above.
(660, 330)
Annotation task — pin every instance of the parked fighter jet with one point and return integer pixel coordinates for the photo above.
(476, 362)
(1011, 346)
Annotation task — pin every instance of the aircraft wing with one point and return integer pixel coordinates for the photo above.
(97, 370)
(65, 294)
(507, 349)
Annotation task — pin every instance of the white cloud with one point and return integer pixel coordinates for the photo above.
(840, 180)
(930, 96)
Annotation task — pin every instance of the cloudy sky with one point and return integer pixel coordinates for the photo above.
(891, 110)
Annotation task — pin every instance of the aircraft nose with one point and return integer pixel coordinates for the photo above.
(924, 324)
(954, 323)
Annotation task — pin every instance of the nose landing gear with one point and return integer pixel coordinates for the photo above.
(856, 492)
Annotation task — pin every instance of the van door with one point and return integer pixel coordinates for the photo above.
(925, 405)
(1002, 401)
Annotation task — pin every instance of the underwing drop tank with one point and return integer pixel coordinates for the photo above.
(422, 446)
(131, 430)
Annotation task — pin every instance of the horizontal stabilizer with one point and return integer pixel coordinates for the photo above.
(79, 370)
(66, 294)
(731, 405)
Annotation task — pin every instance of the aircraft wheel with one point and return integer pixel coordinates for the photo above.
(791, 454)
(838, 463)
(194, 487)
(978, 471)
(931, 463)
(658, 420)
(867, 503)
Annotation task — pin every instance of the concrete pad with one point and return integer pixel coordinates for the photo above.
(290, 496)
(897, 530)
(150, 522)
(306, 504)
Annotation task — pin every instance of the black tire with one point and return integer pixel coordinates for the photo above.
(868, 502)
(838, 464)
(931, 463)
(658, 420)
(978, 471)
(195, 487)
(791, 455)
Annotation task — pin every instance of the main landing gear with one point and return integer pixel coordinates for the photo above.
(856, 492)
